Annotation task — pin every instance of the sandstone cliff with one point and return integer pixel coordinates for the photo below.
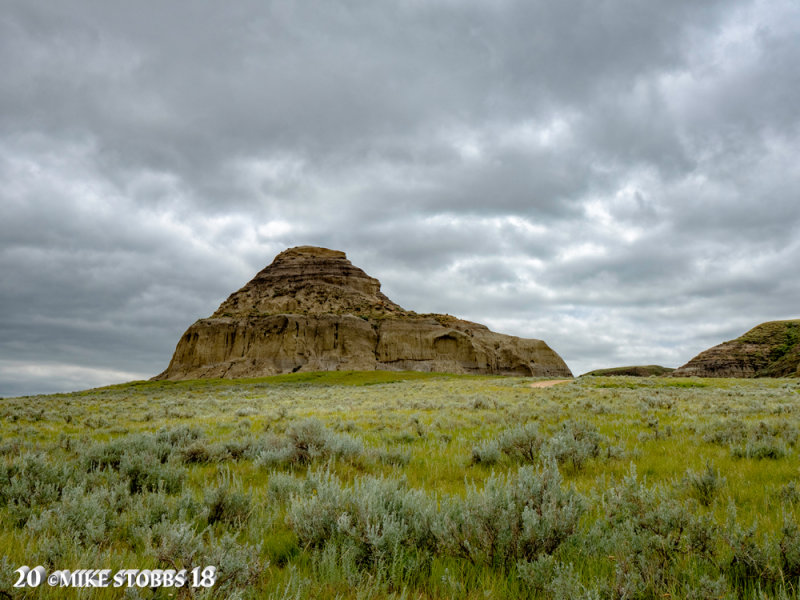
(769, 350)
(312, 310)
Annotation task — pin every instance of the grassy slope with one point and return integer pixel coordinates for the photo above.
(783, 342)
(773, 347)
(420, 427)
(633, 371)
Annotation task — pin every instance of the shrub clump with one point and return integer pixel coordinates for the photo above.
(382, 527)
(87, 515)
(487, 453)
(375, 526)
(29, 484)
(548, 578)
(179, 546)
(226, 505)
(306, 441)
(761, 440)
(651, 534)
(512, 518)
(704, 486)
(145, 474)
(392, 456)
(771, 448)
(522, 443)
(573, 444)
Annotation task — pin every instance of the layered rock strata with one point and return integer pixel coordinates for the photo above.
(769, 350)
(312, 310)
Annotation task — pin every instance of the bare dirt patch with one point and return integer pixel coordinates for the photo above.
(540, 384)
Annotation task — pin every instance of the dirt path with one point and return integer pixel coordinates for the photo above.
(538, 384)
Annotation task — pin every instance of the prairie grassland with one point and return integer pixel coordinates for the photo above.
(409, 485)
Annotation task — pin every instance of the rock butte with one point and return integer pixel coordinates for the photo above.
(312, 310)
(631, 371)
(771, 349)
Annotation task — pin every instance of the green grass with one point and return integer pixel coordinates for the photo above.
(315, 378)
(253, 440)
(633, 371)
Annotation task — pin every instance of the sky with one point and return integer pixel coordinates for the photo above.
(618, 178)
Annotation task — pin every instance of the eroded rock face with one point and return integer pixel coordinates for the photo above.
(769, 350)
(312, 310)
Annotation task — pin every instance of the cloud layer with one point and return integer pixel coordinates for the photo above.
(618, 179)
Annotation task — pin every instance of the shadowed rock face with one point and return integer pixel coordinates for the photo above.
(769, 350)
(312, 310)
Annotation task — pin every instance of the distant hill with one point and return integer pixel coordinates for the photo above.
(313, 310)
(635, 371)
(769, 350)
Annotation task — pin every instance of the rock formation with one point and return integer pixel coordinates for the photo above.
(312, 310)
(769, 350)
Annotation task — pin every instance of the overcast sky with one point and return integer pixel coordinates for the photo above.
(620, 178)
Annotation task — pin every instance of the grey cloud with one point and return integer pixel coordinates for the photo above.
(195, 76)
(617, 178)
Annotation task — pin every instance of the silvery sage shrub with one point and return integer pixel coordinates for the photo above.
(178, 437)
(391, 456)
(512, 518)
(375, 526)
(761, 440)
(705, 587)
(789, 548)
(725, 431)
(372, 511)
(704, 485)
(752, 558)
(574, 443)
(772, 448)
(313, 516)
(281, 486)
(145, 472)
(196, 452)
(649, 532)
(6, 582)
(238, 565)
(87, 516)
(179, 546)
(306, 441)
(226, 502)
(522, 443)
(139, 456)
(761, 558)
(546, 577)
(31, 483)
(227, 505)
(487, 453)
(387, 525)
(789, 493)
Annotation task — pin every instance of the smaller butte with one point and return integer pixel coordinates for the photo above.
(771, 349)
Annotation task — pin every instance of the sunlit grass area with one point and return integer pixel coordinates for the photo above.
(410, 485)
